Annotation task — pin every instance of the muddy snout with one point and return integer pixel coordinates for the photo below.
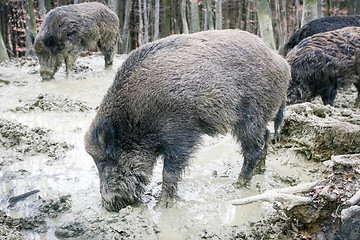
(116, 202)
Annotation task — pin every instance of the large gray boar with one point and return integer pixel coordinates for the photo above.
(68, 30)
(323, 63)
(168, 93)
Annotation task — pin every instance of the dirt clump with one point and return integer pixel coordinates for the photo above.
(53, 207)
(50, 102)
(317, 131)
(17, 140)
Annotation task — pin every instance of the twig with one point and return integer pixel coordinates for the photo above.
(281, 195)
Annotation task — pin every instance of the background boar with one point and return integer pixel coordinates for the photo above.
(68, 30)
(323, 63)
(170, 92)
(319, 25)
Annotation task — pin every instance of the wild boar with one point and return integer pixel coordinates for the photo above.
(170, 92)
(323, 63)
(319, 25)
(70, 29)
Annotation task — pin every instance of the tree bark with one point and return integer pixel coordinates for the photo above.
(157, 17)
(210, 16)
(167, 21)
(265, 22)
(124, 40)
(309, 11)
(30, 27)
(141, 25)
(357, 7)
(183, 17)
(146, 23)
(195, 21)
(3, 52)
(218, 7)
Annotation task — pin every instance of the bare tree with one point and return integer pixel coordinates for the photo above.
(141, 25)
(218, 7)
(183, 17)
(357, 6)
(125, 35)
(209, 15)
(3, 52)
(309, 11)
(42, 8)
(30, 27)
(146, 22)
(157, 17)
(265, 22)
(195, 21)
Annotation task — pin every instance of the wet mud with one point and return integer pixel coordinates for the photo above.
(42, 124)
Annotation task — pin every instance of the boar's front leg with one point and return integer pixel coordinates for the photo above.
(69, 63)
(357, 85)
(177, 151)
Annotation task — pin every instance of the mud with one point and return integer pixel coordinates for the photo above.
(42, 125)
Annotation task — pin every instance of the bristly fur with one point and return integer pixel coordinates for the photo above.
(318, 25)
(323, 63)
(70, 29)
(168, 93)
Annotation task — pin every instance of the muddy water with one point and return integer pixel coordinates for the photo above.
(204, 208)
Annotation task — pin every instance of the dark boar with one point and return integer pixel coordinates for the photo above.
(68, 30)
(323, 63)
(319, 25)
(170, 92)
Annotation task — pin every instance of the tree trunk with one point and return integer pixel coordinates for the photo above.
(157, 17)
(209, 13)
(48, 5)
(30, 27)
(195, 21)
(125, 36)
(297, 14)
(167, 18)
(265, 22)
(357, 7)
(141, 25)
(146, 22)
(42, 8)
(218, 7)
(320, 8)
(309, 11)
(183, 17)
(3, 52)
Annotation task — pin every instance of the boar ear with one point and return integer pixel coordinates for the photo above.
(105, 136)
(52, 42)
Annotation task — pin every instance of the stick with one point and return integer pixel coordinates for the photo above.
(282, 195)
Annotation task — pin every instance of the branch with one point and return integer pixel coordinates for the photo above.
(284, 195)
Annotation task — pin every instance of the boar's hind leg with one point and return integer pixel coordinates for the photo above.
(253, 136)
(357, 85)
(69, 63)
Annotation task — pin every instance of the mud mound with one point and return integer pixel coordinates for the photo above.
(14, 228)
(53, 207)
(50, 102)
(319, 131)
(16, 138)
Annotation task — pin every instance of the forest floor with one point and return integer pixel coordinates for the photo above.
(42, 125)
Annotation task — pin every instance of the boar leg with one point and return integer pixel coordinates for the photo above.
(69, 63)
(253, 136)
(175, 160)
(108, 55)
(357, 85)
(328, 94)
